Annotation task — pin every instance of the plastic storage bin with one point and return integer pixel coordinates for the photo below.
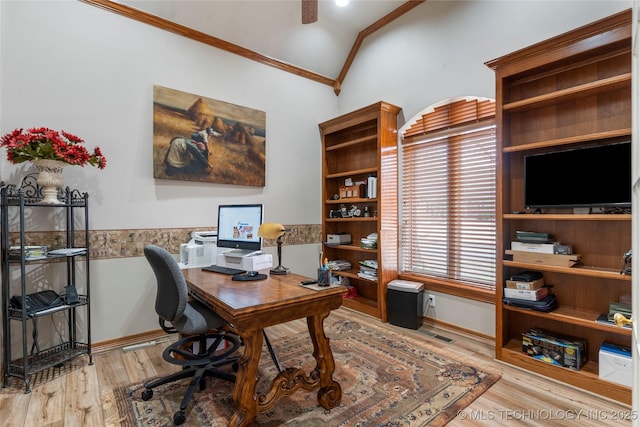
(404, 303)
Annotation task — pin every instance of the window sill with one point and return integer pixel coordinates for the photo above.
(452, 288)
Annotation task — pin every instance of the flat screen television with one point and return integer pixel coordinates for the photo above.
(598, 176)
(238, 228)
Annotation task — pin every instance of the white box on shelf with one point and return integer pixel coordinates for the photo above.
(339, 239)
(543, 248)
(529, 295)
(248, 263)
(615, 364)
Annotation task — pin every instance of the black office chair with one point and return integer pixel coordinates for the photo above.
(193, 320)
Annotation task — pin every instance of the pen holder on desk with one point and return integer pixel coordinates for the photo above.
(324, 277)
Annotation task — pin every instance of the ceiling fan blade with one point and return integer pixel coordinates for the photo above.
(309, 11)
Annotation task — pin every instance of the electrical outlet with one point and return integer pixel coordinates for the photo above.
(432, 300)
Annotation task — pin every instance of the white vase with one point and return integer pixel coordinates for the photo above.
(50, 179)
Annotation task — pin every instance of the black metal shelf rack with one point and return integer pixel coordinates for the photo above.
(17, 206)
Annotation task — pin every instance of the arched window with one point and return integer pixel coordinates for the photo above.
(448, 194)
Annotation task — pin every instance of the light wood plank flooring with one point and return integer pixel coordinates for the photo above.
(73, 395)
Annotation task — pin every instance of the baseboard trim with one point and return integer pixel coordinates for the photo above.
(159, 333)
(115, 343)
(459, 329)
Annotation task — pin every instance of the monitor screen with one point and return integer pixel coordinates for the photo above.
(238, 226)
(583, 177)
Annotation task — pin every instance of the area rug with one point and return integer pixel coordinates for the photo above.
(386, 378)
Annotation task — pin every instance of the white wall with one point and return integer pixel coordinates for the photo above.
(92, 73)
(68, 65)
(438, 50)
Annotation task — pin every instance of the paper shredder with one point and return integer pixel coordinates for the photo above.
(404, 303)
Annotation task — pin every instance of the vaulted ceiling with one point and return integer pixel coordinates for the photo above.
(272, 31)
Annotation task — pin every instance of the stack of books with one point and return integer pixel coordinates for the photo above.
(527, 286)
(541, 248)
(29, 252)
(368, 269)
(369, 242)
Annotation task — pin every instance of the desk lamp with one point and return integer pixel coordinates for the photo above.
(271, 230)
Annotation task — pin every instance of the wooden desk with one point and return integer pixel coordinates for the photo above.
(249, 307)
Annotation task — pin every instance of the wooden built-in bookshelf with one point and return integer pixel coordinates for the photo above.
(570, 91)
(355, 146)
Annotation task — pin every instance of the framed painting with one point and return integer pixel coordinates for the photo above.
(202, 139)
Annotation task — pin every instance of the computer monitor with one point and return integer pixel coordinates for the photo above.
(238, 229)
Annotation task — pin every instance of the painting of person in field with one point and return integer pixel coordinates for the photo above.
(202, 139)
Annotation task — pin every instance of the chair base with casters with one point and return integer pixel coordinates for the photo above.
(197, 365)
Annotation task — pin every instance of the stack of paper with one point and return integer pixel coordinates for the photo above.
(339, 265)
(368, 269)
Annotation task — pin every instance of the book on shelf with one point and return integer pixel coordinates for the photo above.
(544, 259)
(368, 270)
(68, 251)
(525, 285)
(371, 263)
(32, 257)
(529, 295)
(533, 237)
(619, 307)
(30, 252)
(372, 190)
(364, 275)
(542, 248)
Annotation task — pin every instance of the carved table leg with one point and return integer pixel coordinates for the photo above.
(244, 391)
(330, 392)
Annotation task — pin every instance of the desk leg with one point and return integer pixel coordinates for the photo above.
(244, 391)
(330, 392)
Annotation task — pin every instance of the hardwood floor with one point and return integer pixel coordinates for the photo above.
(73, 395)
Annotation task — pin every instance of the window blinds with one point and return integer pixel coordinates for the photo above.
(448, 194)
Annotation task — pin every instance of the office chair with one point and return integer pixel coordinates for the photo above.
(196, 352)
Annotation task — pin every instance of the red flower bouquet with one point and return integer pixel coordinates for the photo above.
(43, 143)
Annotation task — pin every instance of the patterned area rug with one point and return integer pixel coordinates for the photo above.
(386, 379)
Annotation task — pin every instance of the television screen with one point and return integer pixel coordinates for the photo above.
(583, 177)
(238, 227)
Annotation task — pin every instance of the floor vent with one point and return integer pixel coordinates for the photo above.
(440, 337)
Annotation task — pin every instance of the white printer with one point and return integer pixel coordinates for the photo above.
(201, 251)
